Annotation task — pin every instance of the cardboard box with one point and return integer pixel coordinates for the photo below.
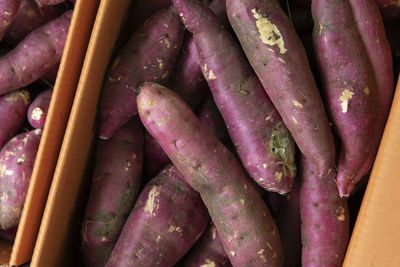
(64, 90)
(55, 243)
(373, 243)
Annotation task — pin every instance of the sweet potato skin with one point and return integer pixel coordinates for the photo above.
(8, 12)
(13, 107)
(370, 25)
(263, 143)
(16, 164)
(275, 53)
(49, 2)
(149, 55)
(349, 87)
(29, 17)
(155, 234)
(37, 111)
(188, 82)
(208, 250)
(115, 185)
(247, 231)
(324, 218)
(35, 55)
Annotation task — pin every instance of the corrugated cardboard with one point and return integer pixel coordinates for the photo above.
(53, 243)
(376, 236)
(64, 90)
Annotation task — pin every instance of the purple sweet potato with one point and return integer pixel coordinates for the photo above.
(244, 224)
(276, 54)
(349, 87)
(209, 115)
(115, 186)
(16, 164)
(13, 107)
(188, 82)
(166, 221)
(208, 251)
(390, 9)
(262, 141)
(29, 17)
(37, 111)
(149, 55)
(39, 52)
(8, 12)
(324, 218)
(51, 76)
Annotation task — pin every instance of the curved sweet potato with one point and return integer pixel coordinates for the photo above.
(166, 221)
(37, 111)
(115, 185)
(247, 230)
(13, 107)
(275, 53)
(149, 55)
(16, 164)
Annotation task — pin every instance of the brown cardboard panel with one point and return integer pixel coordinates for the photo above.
(376, 237)
(51, 246)
(64, 91)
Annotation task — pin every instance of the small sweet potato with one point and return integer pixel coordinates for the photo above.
(324, 218)
(276, 54)
(13, 107)
(244, 224)
(37, 111)
(40, 51)
(16, 164)
(166, 221)
(115, 185)
(149, 55)
(29, 17)
(8, 12)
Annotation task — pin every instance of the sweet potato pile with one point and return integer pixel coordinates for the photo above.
(32, 39)
(297, 94)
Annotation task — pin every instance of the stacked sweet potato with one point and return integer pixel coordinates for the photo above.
(258, 173)
(32, 40)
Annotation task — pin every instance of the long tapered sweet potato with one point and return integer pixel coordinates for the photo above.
(208, 251)
(324, 218)
(149, 55)
(13, 107)
(115, 186)
(370, 25)
(208, 114)
(29, 17)
(262, 141)
(247, 230)
(349, 87)
(166, 221)
(8, 12)
(16, 164)
(279, 59)
(37, 111)
(188, 82)
(40, 51)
